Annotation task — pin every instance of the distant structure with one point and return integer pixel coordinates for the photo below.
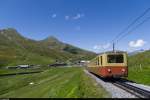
(83, 62)
(23, 66)
(11, 67)
(18, 67)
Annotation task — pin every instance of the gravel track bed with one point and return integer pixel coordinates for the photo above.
(115, 91)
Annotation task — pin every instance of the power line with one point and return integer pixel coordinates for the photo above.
(127, 28)
(137, 26)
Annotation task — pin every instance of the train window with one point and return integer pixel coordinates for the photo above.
(115, 58)
(101, 61)
(98, 61)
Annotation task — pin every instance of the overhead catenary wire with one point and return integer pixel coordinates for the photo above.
(129, 32)
(130, 25)
(121, 35)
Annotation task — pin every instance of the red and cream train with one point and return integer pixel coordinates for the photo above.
(109, 64)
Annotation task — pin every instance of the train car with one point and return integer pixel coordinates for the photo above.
(109, 64)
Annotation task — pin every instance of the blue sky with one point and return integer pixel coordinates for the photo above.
(88, 24)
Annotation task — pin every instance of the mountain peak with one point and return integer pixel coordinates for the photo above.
(136, 52)
(51, 39)
(9, 29)
(15, 48)
(9, 32)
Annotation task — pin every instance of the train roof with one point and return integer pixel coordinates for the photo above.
(110, 52)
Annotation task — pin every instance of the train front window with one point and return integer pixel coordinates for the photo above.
(115, 58)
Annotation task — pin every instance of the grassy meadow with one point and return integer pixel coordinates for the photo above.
(15, 71)
(52, 83)
(140, 75)
(139, 68)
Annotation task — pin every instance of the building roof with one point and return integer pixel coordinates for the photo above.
(23, 65)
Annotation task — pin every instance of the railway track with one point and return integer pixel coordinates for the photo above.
(140, 93)
(122, 84)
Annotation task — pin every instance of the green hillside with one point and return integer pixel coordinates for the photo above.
(139, 67)
(16, 49)
(140, 58)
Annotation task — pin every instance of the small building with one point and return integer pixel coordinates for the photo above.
(23, 66)
(83, 62)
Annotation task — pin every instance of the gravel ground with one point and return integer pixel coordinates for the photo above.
(112, 89)
(145, 87)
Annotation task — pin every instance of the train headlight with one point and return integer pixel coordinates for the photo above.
(109, 70)
(123, 70)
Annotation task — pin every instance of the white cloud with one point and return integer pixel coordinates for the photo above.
(104, 46)
(138, 43)
(54, 16)
(78, 16)
(67, 17)
(96, 47)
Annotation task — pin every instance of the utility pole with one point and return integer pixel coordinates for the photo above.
(113, 47)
